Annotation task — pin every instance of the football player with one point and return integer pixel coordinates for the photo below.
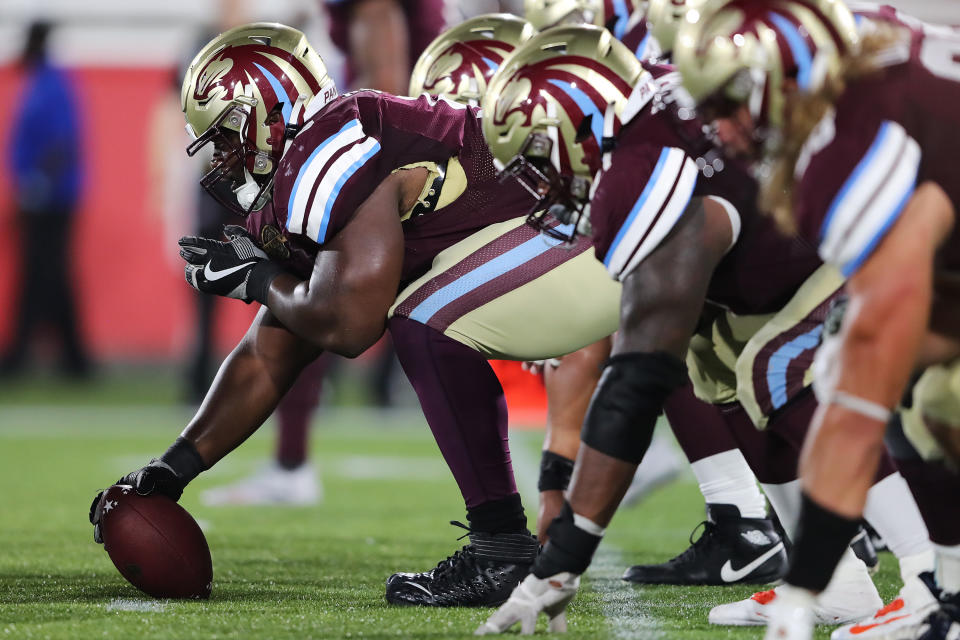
(348, 201)
(734, 505)
(852, 133)
(697, 270)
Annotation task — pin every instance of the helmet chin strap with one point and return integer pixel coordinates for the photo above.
(247, 192)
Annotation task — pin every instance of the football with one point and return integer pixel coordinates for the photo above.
(155, 544)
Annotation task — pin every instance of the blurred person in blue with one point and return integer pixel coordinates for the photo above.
(44, 158)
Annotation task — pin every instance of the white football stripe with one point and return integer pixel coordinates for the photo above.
(310, 171)
(865, 180)
(671, 213)
(881, 213)
(871, 198)
(341, 170)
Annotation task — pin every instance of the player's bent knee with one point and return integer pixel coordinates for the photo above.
(627, 402)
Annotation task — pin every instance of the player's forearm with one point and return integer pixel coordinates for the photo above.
(249, 385)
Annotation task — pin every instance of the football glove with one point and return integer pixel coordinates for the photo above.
(236, 268)
(531, 597)
(167, 475)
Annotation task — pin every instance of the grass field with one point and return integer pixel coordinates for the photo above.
(298, 572)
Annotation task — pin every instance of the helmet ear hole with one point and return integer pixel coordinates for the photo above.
(585, 129)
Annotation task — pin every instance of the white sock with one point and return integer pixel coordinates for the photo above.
(785, 499)
(893, 513)
(948, 567)
(913, 565)
(726, 478)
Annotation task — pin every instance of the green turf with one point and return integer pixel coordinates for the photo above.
(299, 572)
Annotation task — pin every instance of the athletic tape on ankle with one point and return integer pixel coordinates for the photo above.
(864, 407)
(570, 547)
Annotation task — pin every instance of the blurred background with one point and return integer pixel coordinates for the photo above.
(118, 190)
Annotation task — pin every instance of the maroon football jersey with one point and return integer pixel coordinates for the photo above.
(344, 151)
(889, 132)
(425, 21)
(637, 37)
(651, 178)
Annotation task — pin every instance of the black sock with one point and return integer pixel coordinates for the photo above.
(822, 538)
(498, 516)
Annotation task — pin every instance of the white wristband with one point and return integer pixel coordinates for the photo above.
(864, 407)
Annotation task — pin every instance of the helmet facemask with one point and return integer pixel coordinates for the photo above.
(236, 165)
(560, 199)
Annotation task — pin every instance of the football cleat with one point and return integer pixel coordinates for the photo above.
(731, 550)
(862, 546)
(482, 574)
(902, 618)
(272, 485)
(850, 596)
(791, 616)
(943, 623)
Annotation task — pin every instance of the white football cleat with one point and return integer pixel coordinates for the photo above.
(850, 596)
(272, 485)
(791, 614)
(899, 620)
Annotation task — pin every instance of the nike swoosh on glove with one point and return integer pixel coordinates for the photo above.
(234, 269)
(531, 597)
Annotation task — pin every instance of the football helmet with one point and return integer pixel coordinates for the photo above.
(245, 92)
(664, 18)
(612, 14)
(459, 63)
(735, 52)
(551, 111)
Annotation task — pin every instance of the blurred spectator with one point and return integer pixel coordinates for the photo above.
(47, 183)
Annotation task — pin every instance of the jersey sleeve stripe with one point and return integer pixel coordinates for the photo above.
(310, 171)
(668, 217)
(779, 363)
(333, 179)
(653, 194)
(653, 215)
(871, 200)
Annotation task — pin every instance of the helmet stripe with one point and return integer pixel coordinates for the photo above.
(798, 48)
(279, 91)
(586, 105)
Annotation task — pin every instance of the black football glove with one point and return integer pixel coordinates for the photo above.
(167, 475)
(234, 269)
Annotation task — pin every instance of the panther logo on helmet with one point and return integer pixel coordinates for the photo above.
(459, 63)
(245, 92)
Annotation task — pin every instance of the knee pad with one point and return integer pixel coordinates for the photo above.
(627, 402)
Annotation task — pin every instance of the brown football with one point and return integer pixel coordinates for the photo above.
(155, 544)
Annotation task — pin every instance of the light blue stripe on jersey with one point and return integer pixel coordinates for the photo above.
(798, 47)
(848, 269)
(641, 51)
(781, 359)
(623, 16)
(481, 275)
(346, 175)
(651, 183)
(861, 167)
(279, 91)
(586, 106)
(306, 165)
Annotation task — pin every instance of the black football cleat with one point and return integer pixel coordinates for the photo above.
(944, 622)
(482, 574)
(731, 550)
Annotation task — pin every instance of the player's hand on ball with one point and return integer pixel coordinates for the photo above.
(531, 597)
(236, 268)
(156, 477)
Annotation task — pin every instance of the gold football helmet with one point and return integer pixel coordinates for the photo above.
(734, 52)
(664, 18)
(459, 63)
(551, 110)
(612, 14)
(244, 92)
